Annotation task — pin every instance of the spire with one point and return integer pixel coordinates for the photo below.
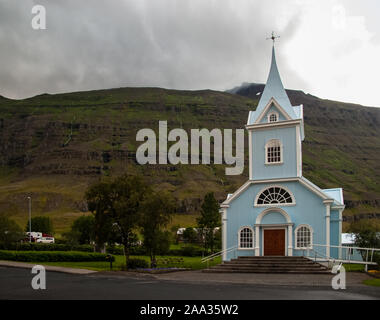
(275, 89)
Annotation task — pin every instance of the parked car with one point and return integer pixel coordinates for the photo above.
(45, 240)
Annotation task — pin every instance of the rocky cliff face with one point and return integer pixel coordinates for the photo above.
(53, 146)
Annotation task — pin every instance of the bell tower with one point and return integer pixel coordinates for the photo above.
(275, 131)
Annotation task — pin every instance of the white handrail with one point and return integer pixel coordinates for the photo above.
(346, 247)
(217, 254)
(349, 252)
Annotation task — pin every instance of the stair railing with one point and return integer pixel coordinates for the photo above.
(366, 254)
(318, 255)
(218, 254)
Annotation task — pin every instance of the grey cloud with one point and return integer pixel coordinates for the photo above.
(94, 44)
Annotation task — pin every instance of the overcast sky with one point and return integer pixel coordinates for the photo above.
(329, 48)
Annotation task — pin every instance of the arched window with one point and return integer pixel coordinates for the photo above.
(275, 195)
(273, 117)
(273, 151)
(245, 238)
(303, 237)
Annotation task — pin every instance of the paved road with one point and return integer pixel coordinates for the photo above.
(15, 283)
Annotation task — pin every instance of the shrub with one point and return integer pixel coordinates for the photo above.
(118, 250)
(137, 263)
(51, 256)
(190, 251)
(187, 251)
(26, 246)
(134, 251)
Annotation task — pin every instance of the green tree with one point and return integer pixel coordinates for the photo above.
(117, 203)
(10, 231)
(157, 211)
(367, 235)
(209, 220)
(190, 235)
(98, 197)
(40, 224)
(83, 230)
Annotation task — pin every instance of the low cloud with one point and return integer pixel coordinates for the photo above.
(187, 44)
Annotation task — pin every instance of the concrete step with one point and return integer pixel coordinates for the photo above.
(269, 265)
(268, 271)
(272, 266)
(277, 258)
(267, 268)
(268, 262)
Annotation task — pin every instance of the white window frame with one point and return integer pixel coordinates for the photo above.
(253, 238)
(296, 237)
(275, 114)
(268, 145)
(293, 203)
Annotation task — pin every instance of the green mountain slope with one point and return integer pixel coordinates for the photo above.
(53, 146)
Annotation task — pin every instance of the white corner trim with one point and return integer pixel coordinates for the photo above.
(250, 147)
(298, 150)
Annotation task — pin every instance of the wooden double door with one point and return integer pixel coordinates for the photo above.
(274, 242)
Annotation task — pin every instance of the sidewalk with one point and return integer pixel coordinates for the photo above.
(353, 279)
(24, 265)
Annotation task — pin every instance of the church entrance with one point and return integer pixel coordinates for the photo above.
(274, 242)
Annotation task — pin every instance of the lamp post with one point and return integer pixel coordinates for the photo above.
(30, 219)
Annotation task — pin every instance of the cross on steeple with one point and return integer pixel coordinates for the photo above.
(273, 37)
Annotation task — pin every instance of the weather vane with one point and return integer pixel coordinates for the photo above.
(273, 37)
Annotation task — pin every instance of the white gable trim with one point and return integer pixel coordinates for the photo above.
(238, 192)
(269, 104)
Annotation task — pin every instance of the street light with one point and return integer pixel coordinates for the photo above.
(30, 219)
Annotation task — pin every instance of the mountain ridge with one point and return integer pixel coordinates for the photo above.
(52, 146)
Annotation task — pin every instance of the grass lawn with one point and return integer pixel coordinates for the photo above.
(353, 267)
(189, 262)
(372, 282)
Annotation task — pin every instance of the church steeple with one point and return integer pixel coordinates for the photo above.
(273, 89)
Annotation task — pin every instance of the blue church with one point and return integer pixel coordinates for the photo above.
(278, 212)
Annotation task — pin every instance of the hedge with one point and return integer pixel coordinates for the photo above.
(186, 250)
(46, 247)
(52, 256)
(135, 263)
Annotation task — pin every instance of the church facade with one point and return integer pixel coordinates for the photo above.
(278, 212)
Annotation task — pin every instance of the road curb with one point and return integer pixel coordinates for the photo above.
(24, 265)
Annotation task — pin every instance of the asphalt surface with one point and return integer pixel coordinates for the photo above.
(15, 283)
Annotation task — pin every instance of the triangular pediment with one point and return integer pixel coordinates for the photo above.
(272, 104)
